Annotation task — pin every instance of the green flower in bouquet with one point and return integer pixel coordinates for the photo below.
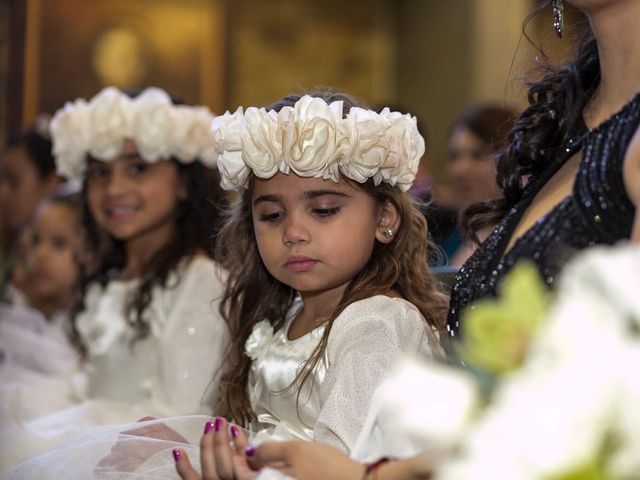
(497, 332)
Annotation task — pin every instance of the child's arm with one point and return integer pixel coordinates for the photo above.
(365, 343)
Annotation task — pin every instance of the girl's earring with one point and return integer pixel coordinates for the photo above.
(557, 7)
(388, 233)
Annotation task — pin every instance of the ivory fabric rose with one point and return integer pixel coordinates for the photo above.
(261, 142)
(367, 148)
(151, 119)
(70, 134)
(312, 138)
(191, 136)
(259, 340)
(406, 148)
(109, 120)
(227, 131)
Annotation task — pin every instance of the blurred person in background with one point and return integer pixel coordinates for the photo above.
(475, 138)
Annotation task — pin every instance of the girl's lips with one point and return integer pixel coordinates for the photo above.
(120, 213)
(300, 264)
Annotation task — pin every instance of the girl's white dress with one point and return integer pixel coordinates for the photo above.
(169, 372)
(366, 341)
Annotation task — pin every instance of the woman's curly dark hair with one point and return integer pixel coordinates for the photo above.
(196, 221)
(556, 103)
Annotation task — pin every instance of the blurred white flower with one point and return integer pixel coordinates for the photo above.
(159, 130)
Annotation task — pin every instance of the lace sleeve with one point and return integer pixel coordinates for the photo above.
(194, 341)
(366, 341)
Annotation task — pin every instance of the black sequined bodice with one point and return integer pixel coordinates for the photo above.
(598, 211)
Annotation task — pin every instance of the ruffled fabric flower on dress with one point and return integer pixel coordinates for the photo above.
(259, 341)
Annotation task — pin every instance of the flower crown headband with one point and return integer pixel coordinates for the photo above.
(160, 130)
(312, 139)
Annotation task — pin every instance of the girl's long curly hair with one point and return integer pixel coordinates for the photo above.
(253, 295)
(196, 219)
(556, 103)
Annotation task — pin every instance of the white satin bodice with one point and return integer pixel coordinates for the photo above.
(277, 361)
(365, 342)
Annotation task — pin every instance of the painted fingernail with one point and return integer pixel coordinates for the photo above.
(176, 454)
(207, 427)
(234, 431)
(218, 424)
(249, 451)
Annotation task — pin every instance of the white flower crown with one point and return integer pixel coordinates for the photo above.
(160, 130)
(312, 139)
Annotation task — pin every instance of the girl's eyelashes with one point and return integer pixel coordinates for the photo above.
(138, 168)
(97, 171)
(60, 243)
(326, 212)
(270, 217)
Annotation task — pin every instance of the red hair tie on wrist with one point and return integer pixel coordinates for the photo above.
(373, 467)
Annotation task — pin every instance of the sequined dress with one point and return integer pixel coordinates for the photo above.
(598, 211)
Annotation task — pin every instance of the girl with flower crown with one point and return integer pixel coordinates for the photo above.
(328, 285)
(148, 323)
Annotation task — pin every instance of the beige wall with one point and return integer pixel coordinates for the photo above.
(453, 53)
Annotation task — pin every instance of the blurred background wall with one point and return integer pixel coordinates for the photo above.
(430, 57)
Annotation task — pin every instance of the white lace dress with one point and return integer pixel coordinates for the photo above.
(169, 372)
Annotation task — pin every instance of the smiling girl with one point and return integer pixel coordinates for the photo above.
(148, 322)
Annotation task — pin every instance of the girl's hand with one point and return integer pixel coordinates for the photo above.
(305, 461)
(218, 459)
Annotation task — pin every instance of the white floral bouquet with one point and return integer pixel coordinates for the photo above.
(552, 389)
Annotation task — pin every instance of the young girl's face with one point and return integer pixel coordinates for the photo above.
(130, 198)
(313, 235)
(52, 254)
(21, 187)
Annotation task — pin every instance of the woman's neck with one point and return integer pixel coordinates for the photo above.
(142, 248)
(615, 26)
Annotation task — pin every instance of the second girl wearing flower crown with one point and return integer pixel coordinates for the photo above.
(149, 325)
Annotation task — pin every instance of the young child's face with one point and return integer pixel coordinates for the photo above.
(129, 197)
(21, 188)
(52, 254)
(313, 235)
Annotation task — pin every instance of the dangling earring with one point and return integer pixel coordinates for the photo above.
(557, 7)
(388, 233)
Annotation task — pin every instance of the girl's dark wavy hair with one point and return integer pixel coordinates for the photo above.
(556, 103)
(196, 222)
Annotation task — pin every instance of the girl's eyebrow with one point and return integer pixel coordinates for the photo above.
(308, 195)
(131, 156)
(319, 193)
